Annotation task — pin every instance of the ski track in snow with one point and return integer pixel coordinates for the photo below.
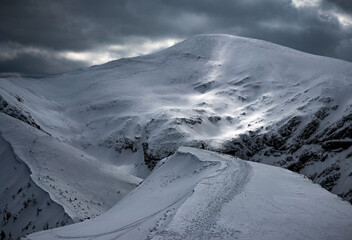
(200, 221)
(228, 181)
(197, 194)
(128, 227)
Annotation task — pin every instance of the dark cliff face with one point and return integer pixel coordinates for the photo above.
(318, 149)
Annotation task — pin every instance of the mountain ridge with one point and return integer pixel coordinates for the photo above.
(248, 98)
(197, 194)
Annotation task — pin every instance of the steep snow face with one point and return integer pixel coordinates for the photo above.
(197, 194)
(94, 134)
(83, 185)
(24, 206)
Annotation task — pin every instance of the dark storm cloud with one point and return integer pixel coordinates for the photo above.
(36, 65)
(345, 5)
(88, 25)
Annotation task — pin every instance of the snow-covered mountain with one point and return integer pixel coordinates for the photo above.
(90, 137)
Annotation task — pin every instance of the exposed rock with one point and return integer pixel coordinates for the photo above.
(310, 128)
(288, 128)
(313, 145)
(329, 182)
(15, 112)
(337, 144)
(214, 119)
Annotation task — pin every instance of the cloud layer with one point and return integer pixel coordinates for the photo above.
(47, 37)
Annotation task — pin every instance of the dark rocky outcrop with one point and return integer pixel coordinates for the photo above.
(301, 144)
(15, 112)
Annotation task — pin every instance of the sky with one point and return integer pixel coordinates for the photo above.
(40, 37)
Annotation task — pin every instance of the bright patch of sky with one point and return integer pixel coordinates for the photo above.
(305, 3)
(344, 19)
(113, 52)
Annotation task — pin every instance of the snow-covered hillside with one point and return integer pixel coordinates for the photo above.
(91, 136)
(197, 194)
(24, 206)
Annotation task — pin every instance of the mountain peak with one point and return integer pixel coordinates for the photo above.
(99, 132)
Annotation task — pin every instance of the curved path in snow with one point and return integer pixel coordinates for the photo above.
(197, 194)
(199, 219)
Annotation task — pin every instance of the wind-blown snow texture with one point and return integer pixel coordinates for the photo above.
(91, 136)
(196, 194)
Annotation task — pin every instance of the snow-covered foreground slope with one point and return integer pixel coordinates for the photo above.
(91, 136)
(197, 194)
(83, 185)
(24, 206)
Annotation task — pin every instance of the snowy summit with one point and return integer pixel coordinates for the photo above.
(121, 146)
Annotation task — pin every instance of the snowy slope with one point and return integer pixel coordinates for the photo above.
(197, 194)
(24, 206)
(83, 185)
(91, 136)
